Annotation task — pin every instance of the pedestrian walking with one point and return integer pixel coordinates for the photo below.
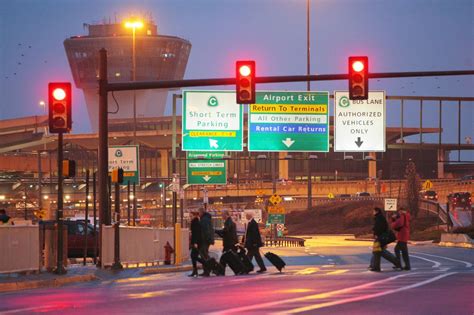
(207, 238)
(382, 237)
(228, 233)
(253, 242)
(196, 240)
(401, 225)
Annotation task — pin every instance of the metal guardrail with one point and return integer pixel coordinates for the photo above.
(286, 241)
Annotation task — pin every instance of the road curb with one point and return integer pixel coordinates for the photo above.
(150, 271)
(456, 240)
(35, 284)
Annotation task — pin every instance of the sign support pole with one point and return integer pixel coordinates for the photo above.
(117, 265)
(173, 171)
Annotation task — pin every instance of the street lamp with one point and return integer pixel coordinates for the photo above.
(42, 104)
(134, 25)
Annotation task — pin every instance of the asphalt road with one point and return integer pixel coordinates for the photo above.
(329, 276)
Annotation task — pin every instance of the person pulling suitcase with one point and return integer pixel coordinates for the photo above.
(253, 241)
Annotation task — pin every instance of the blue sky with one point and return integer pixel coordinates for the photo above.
(402, 35)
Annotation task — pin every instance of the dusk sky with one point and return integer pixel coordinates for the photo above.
(402, 35)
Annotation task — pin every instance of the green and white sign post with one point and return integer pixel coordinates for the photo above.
(206, 168)
(212, 121)
(289, 121)
(125, 157)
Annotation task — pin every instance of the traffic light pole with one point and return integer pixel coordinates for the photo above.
(103, 156)
(59, 211)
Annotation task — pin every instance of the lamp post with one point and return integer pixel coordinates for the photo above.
(134, 25)
(42, 104)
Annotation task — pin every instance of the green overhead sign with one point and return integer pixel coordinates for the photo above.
(212, 121)
(206, 168)
(289, 121)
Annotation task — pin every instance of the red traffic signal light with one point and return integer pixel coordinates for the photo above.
(358, 78)
(59, 101)
(245, 82)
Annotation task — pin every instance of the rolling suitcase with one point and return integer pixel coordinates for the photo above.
(275, 260)
(215, 267)
(233, 260)
(248, 266)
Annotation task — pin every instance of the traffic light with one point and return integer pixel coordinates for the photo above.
(358, 78)
(245, 82)
(69, 168)
(60, 100)
(117, 175)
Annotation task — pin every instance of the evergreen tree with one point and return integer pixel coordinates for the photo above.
(413, 188)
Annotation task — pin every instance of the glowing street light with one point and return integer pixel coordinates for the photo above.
(134, 25)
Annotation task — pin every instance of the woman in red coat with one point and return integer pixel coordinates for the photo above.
(401, 224)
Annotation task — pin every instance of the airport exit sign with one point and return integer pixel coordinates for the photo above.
(289, 121)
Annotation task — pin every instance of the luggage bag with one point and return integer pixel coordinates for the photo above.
(248, 266)
(233, 260)
(275, 260)
(215, 267)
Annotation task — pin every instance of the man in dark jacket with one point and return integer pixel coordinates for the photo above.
(401, 224)
(380, 250)
(195, 242)
(229, 232)
(253, 242)
(207, 234)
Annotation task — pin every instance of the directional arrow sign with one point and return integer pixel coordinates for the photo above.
(212, 121)
(289, 121)
(359, 142)
(359, 125)
(288, 142)
(206, 168)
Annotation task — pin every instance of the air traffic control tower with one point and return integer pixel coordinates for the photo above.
(158, 57)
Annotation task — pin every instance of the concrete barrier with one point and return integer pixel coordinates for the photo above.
(456, 240)
(141, 244)
(19, 249)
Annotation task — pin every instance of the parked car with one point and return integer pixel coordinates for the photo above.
(363, 194)
(76, 237)
(429, 195)
(460, 200)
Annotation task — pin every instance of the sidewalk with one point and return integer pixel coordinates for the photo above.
(79, 273)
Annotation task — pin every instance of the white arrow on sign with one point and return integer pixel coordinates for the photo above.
(207, 178)
(288, 142)
(213, 143)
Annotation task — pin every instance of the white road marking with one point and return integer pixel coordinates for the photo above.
(468, 264)
(436, 264)
(307, 297)
(20, 310)
(364, 297)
